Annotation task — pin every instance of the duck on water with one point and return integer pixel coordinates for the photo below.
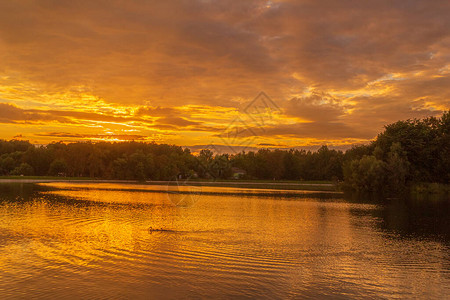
(151, 229)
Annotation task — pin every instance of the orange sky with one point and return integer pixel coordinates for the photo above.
(186, 72)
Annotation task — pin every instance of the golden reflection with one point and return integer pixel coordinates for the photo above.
(286, 244)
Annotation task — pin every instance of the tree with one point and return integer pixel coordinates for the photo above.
(204, 163)
(23, 169)
(290, 166)
(221, 167)
(367, 174)
(39, 158)
(95, 163)
(443, 166)
(119, 168)
(136, 165)
(419, 140)
(7, 164)
(397, 169)
(57, 167)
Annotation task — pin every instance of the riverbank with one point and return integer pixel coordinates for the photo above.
(279, 185)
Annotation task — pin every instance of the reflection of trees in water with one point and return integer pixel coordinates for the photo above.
(28, 192)
(424, 218)
(18, 191)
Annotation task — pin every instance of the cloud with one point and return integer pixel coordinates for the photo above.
(319, 130)
(177, 121)
(346, 68)
(77, 136)
(165, 121)
(12, 114)
(311, 130)
(128, 53)
(95, 116)
(317, 107)
(182, 124)
(156, 111)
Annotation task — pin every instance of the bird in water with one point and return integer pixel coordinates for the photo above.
(151, 229)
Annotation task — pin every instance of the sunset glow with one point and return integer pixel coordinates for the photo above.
(180, 72)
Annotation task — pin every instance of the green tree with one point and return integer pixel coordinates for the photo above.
(205, 163)
(397, 169)
(7, 164)
(367, 174)
(39, 158)
(221, 167)
(57, 167)
(136, 165)
(95, 164)
(119, 168)
(23, 169)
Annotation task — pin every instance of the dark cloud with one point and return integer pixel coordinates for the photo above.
(128, 52)
(156, 111)
(12, 114)
(373, 113)
(182, 124)
(348, 43)
(95, 116)
(176, 47)
(319, 130)
(312, 130)
(317, 107)
(122, 137)
(177, 121)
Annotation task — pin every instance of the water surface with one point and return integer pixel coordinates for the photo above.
(93, 240)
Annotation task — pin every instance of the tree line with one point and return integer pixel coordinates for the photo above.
(151, 161)
(406, 151)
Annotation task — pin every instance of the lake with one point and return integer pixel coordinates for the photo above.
(109, 240)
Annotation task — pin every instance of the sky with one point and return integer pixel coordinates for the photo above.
(220, 73)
